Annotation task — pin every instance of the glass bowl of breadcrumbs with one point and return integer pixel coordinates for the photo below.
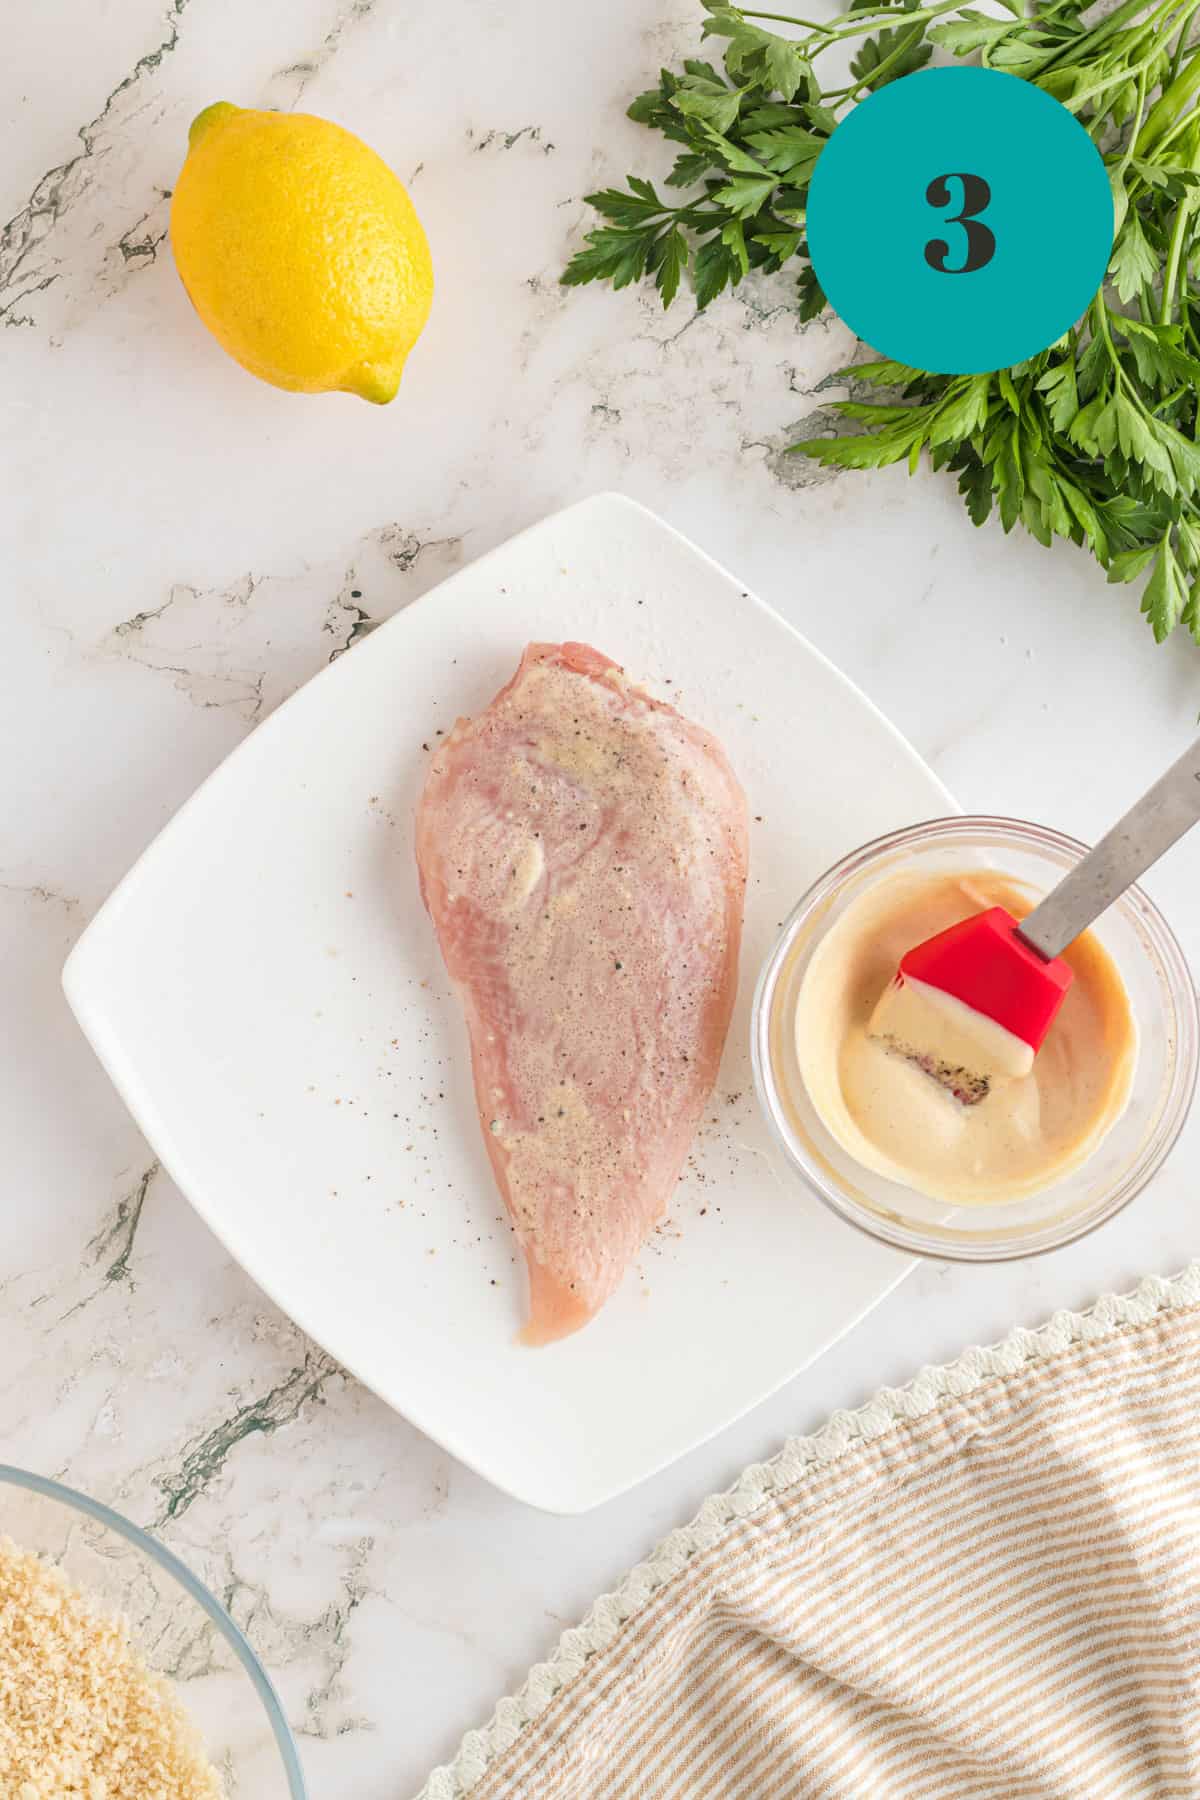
(121, 1677)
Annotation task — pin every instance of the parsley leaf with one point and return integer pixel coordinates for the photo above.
(711, 101)
(812, 295)
(1062, 394)
(744, 195)
(776, 63)
(667, 260)
(714, 268)
(1164, 596)
(1134, 264)
(617, 255)
(894, 48)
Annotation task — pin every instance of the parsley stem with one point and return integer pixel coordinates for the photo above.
(1124, 15)
(1118, 173)
(782, 19)
(1100, 313)
(1083, 49)
(1183, 213)
(872, 77)
(861, 24)
(1177, 54)
(1118, 78)
(865, 23)
(1186, 122)
(1172, 105)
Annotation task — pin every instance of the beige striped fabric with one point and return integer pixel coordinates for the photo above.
(986, 1587)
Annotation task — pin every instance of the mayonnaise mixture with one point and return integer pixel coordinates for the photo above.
(892, 1117)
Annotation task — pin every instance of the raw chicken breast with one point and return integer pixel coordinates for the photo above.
(582, 852)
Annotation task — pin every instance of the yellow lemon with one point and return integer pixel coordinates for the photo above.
(301, 251)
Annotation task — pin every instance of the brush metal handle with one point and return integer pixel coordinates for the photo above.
(1161, 816)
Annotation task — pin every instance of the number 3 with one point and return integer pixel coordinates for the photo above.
(981, 240)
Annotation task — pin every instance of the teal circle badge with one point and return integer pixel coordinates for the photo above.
(960, 220)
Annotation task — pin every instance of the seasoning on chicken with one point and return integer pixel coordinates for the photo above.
(582, 850)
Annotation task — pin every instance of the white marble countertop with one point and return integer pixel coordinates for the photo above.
(180, 546)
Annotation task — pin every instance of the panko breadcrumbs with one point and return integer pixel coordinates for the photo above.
(80, 1712)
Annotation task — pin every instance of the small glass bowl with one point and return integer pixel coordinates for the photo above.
(1161, 994)
(180, 1629)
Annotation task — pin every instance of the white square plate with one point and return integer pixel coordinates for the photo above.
(265, 991)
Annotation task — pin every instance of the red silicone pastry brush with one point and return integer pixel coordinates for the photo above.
(973, 1005)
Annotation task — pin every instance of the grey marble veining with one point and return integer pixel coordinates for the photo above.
(183, 547)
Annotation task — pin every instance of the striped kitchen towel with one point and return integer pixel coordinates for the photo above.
(986, 1586)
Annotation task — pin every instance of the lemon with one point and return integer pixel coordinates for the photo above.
(301, 251)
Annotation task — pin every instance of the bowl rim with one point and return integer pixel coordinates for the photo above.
(913, 1241)
(193, 1586)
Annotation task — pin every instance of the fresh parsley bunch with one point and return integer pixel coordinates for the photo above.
(1095, 439)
